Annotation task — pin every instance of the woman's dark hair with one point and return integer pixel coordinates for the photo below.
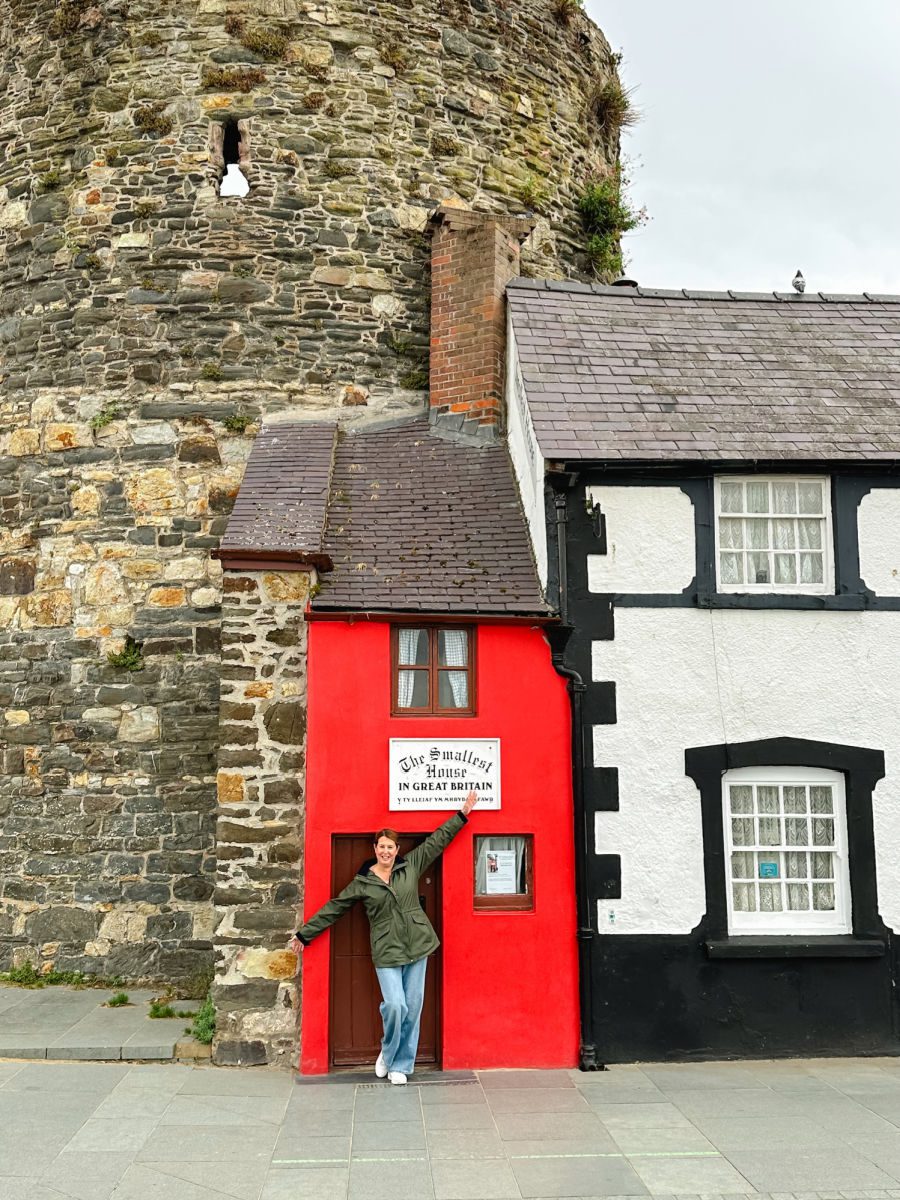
(387, 833)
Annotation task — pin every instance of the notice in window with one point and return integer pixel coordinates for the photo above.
(501, 877)
(439, 773)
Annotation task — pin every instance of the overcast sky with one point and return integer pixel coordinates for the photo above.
(768, 141)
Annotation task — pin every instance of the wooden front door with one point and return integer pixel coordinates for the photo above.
(355, 996)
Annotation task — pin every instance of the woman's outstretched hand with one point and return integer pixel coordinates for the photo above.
(471, 801)
(295, 944)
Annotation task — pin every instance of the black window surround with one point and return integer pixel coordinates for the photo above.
(862, 769)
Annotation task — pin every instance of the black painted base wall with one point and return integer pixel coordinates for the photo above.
(663, 999)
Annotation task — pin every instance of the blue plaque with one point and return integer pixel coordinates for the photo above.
(768, 870)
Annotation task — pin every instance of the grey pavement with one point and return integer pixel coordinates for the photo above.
(72, 1023)
(824, 1129)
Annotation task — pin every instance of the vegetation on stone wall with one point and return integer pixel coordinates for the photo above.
(49, 181)
(565, 10)
(232, 79)
(606, 215)
(270, 44)
(152, 118)
(204, 1024)
(129, 658)
(393, 56)
(67, 17)
(534, 193)
(612, 109)
(238, 421)
(106, 416)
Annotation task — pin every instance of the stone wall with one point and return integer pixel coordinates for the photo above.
(261, 808)
(144, 322)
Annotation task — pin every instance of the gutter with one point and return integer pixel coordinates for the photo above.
(558, 637)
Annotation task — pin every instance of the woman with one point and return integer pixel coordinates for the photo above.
(401, 935)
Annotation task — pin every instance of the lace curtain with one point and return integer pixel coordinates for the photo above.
(456, 647)
(406, 679)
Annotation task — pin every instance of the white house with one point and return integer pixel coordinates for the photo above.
(712, 483)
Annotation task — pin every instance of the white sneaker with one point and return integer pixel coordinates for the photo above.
(396, 1077)
(380, 1067)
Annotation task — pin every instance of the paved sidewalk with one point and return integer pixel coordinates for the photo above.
(823, 1128)
(67, 1022)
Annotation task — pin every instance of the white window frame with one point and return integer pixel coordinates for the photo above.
(826, 587)
(801, 924)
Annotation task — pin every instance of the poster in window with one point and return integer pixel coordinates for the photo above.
(438, 773)
(501, 877)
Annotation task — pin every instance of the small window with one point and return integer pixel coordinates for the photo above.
(786, 844)
(504, 874)
(432, 671)
(773, 535)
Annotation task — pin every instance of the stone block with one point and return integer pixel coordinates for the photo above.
(199, 448)
(167, 597)
(45, 610)
(58, 436)
(234, 1053)
(17, 576)
(193, 887)
(255, 994)
(229, 788)
(140, 725)
(24, 441)
(271, 831)
(154, 491)
(257, 963)
(259, 690)
(286, 586)
(103, 585)
(285, 722)
(62, 924)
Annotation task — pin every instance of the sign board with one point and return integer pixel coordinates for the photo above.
(435, 773)
(768, 870)
(501, 877)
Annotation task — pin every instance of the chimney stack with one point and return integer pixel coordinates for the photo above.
(473, 257)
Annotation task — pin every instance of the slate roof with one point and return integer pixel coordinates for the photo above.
(280, 508)
(413, 523)
(644, 374)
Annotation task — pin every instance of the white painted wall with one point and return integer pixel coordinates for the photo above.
(879, 541)
(686, 678)
(650, 540)
(527, 460)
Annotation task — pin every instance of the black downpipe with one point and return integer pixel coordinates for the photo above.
(558, 637)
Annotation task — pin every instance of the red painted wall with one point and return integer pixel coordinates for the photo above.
(510, 984)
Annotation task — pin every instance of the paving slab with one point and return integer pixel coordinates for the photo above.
(169, 1131)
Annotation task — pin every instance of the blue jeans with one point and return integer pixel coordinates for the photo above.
(403, 989)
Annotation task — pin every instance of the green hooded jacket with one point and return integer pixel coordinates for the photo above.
(399, 931)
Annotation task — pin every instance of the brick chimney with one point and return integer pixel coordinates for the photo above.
(473, 257)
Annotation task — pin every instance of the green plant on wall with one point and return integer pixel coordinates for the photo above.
(533, 193)
(50, 180)
(612, 108)
(151, 118)
(129, 658)
(270, 44)
(232, 79)
(565, 10)
(606, 215)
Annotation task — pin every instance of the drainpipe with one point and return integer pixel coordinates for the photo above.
(558, 637)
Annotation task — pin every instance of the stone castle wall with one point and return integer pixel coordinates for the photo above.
(144, 322)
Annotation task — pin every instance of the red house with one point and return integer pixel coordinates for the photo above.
(429, 672)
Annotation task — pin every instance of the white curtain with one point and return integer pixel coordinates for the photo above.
(456, 646)
(406, 679)
(485, 846)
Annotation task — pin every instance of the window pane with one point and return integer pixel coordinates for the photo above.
(412, 689)
(823, 831)
(758, 568)
(785, 568)
(798, 897)
(453, 689)
(784, 532)
(821, 800)
(741, 798)
(770, 897)
(795, 864)
(757, 533)
(744, 897)
(810, 568)
(413, 647)
(732, 497)
(742, 831)
(823, 897)
(742, 864)
(796, 832)
(810, 496)
(810, 534)
(767, 799)
(769, 831)
(731, 569)
(795, 799)
(500, 866)
(757, 497)
(453, 648)
(822, 864)
(731, 533)
(785, 497)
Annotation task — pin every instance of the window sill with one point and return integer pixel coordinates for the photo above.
(829, 946)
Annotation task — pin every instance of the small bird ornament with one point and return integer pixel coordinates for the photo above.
(799, 283)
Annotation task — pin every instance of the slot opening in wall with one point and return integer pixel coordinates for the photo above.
(230, 154)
